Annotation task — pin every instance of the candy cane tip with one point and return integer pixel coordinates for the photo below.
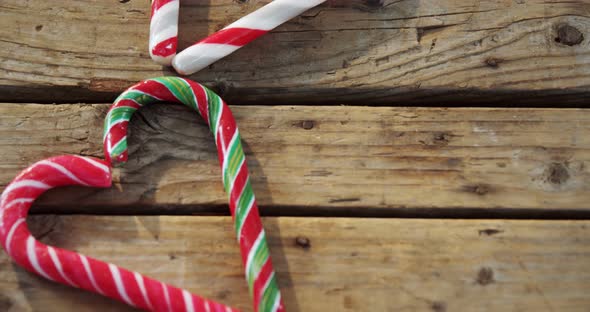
(186, 70)
(179, 68)
(162, 60)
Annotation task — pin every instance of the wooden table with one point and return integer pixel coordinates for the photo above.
(408, 155)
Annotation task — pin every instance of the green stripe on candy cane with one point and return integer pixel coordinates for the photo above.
(181, 90)
(139, 97)
(214, 109)
(232, 165)
(260, 276)
(269, 294)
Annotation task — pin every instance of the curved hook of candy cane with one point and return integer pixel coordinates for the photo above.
(164, 31)
(71, 268)
(260, 275)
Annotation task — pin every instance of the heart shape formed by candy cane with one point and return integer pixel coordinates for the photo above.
(164, 33)
(251, 237)
(107, 279)
(71, 268)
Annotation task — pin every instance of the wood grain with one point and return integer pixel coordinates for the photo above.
(509, 53)
(320, 160)
(350, 265)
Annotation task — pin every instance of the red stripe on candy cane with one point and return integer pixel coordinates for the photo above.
(234, 36)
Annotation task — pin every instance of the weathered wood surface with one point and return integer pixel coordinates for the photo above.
(509, 53)
(317, 159)
(349, 265)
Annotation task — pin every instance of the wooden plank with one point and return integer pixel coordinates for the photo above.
(350, 265)
(318, 159)
(510, 53)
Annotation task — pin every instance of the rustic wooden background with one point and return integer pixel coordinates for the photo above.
(414, 155)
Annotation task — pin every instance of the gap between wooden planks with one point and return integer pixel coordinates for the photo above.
(509, 53)
(321, 160)
(339, 265)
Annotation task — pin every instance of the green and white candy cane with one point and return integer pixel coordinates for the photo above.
(260, 275)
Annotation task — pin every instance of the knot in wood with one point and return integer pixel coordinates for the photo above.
(568, 35)
(307, 124)
(557, 173)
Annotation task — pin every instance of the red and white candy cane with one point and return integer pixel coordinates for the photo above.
(71, 268)
(164, 30)
(163, 33)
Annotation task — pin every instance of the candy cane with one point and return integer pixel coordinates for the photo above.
(259, 272)
(163, 31)
(71, 268)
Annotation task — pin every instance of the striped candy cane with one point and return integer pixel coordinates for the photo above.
(164, 30)
(71, 268)
(221, 43)
(260, 275)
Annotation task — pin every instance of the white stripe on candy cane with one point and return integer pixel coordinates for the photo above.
(17, 201)
(194, 94)
(274, 14)
(266, 283)
(32, 255)
(251, 254)
(141, 284)
(206, 104)
(111, 125)
(233, 179)
(275, 306)
(14, 202)
(188, 301)
(63, 170)
(86, 266)
(248, 208)
(11, 233)
(134, 90)
(119, 284)
(58, 266)
(220, 111)
(23, 183)
(166, 296)
(114, 147)
(95, 163)
(241, 193)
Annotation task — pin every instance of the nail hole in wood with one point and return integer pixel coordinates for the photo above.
(485, 276)
(303, 242)
(493, 62)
